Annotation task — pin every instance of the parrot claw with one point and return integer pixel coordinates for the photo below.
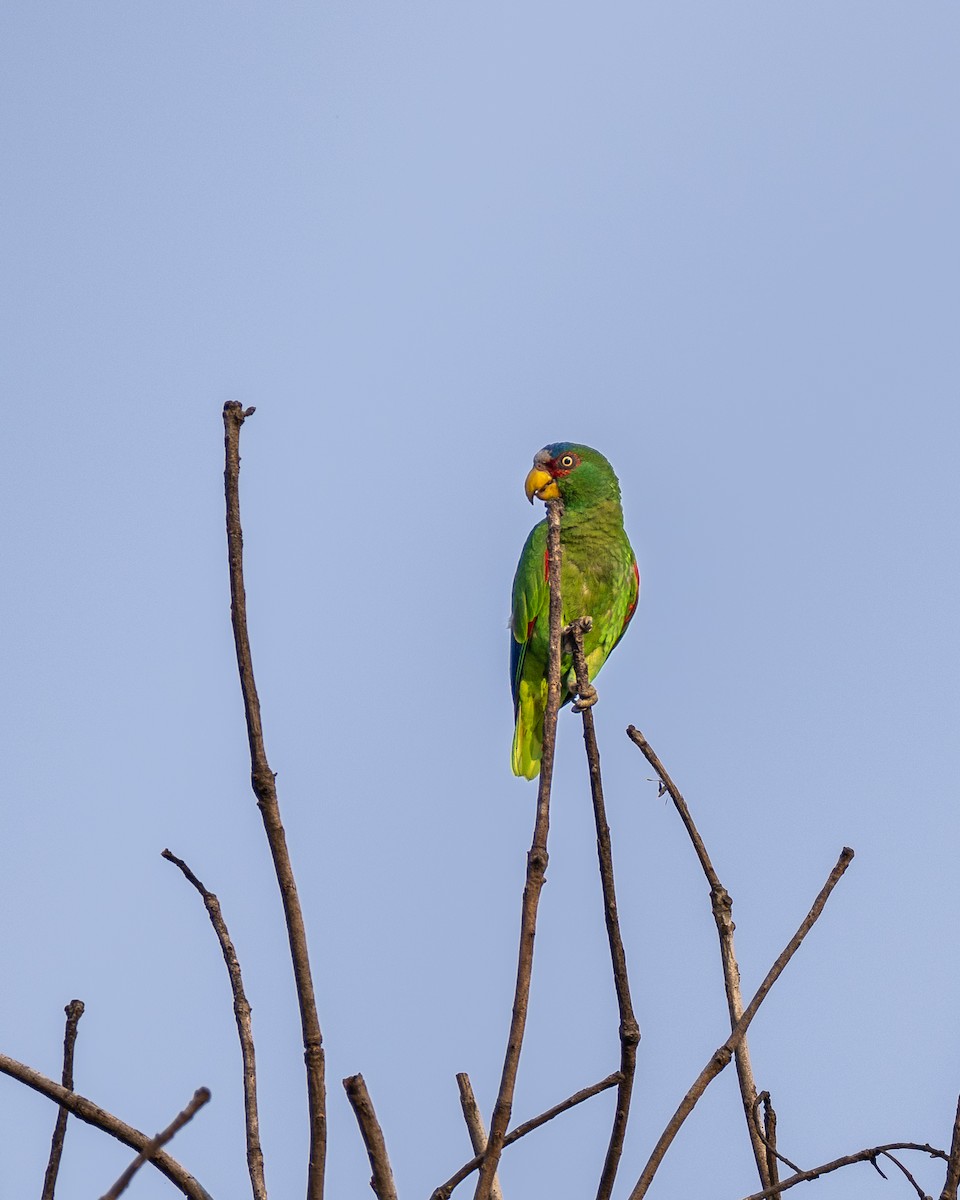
(584, 624)
(586, 699)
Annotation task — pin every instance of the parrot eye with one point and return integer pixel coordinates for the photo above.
(567, 461)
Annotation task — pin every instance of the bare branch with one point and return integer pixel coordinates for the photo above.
(721, 1057)
(768, 1133)
(265, 789)
(953, 1165)
(916, 1186)
(475, 1127)
(200, 1098)
(444, 1190)
(92, 1114)
(536, 870)
(241, 1011)
(382, 1182)
(869, 1155)
(721, 904)
(629, 1028)
(74, 1011)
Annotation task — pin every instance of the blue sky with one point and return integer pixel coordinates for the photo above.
(719, 243)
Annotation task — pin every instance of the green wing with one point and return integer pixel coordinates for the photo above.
(528, 664)
(531, 598)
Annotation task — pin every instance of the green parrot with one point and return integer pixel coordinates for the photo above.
(599, 580)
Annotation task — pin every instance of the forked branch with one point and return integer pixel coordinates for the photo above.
(721, 1057)
(629, 1028)
(265, 789)
(536, 871)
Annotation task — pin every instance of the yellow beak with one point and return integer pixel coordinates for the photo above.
(541, 484)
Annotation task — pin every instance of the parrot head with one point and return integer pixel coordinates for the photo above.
(577, 475)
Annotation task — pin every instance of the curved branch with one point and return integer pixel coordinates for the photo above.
(909, 1177)
(848, 1160)
(265, 789)
(768, 1132)
(92, 1114)
(536, 870)
(241, 1011)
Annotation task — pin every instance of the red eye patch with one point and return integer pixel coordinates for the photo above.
(563, 464)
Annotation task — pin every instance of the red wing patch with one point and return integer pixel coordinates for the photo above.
(636, 597)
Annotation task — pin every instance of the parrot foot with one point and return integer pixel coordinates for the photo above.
(582, 625)
(586, 699)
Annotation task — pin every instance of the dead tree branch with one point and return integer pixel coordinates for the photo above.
(629, 1028)
(241, 1011)
(265, 789)
(85, 1110)
(445, 1189)
(721, 904)
(74, 1011)
(768, 1131)
(200, 1098)
(536, 870)
(953, 1165)
(475, 1127)
(769, 1135)
(870, 1155)
(910, 1179)
(382, 1182)
(721, 1057)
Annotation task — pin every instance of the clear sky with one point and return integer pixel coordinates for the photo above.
(716, 241)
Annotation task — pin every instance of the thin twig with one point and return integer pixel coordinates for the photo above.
(868, 1155)
(769, 1135)
(629, 1027)
(265, 789)
(74, 1011)
(475, 1127)
(382, 1182)
(200, 1098)
(953, 1165)
(916, 1186)
(444, 1190)
(92, 1114)
(241, 1011)
(721, 1057)
(536, 869)
(721, 904)
(769, 1132)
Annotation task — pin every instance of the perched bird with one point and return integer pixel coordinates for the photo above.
(599, 579)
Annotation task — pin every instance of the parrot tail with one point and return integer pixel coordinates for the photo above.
(528, 734)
